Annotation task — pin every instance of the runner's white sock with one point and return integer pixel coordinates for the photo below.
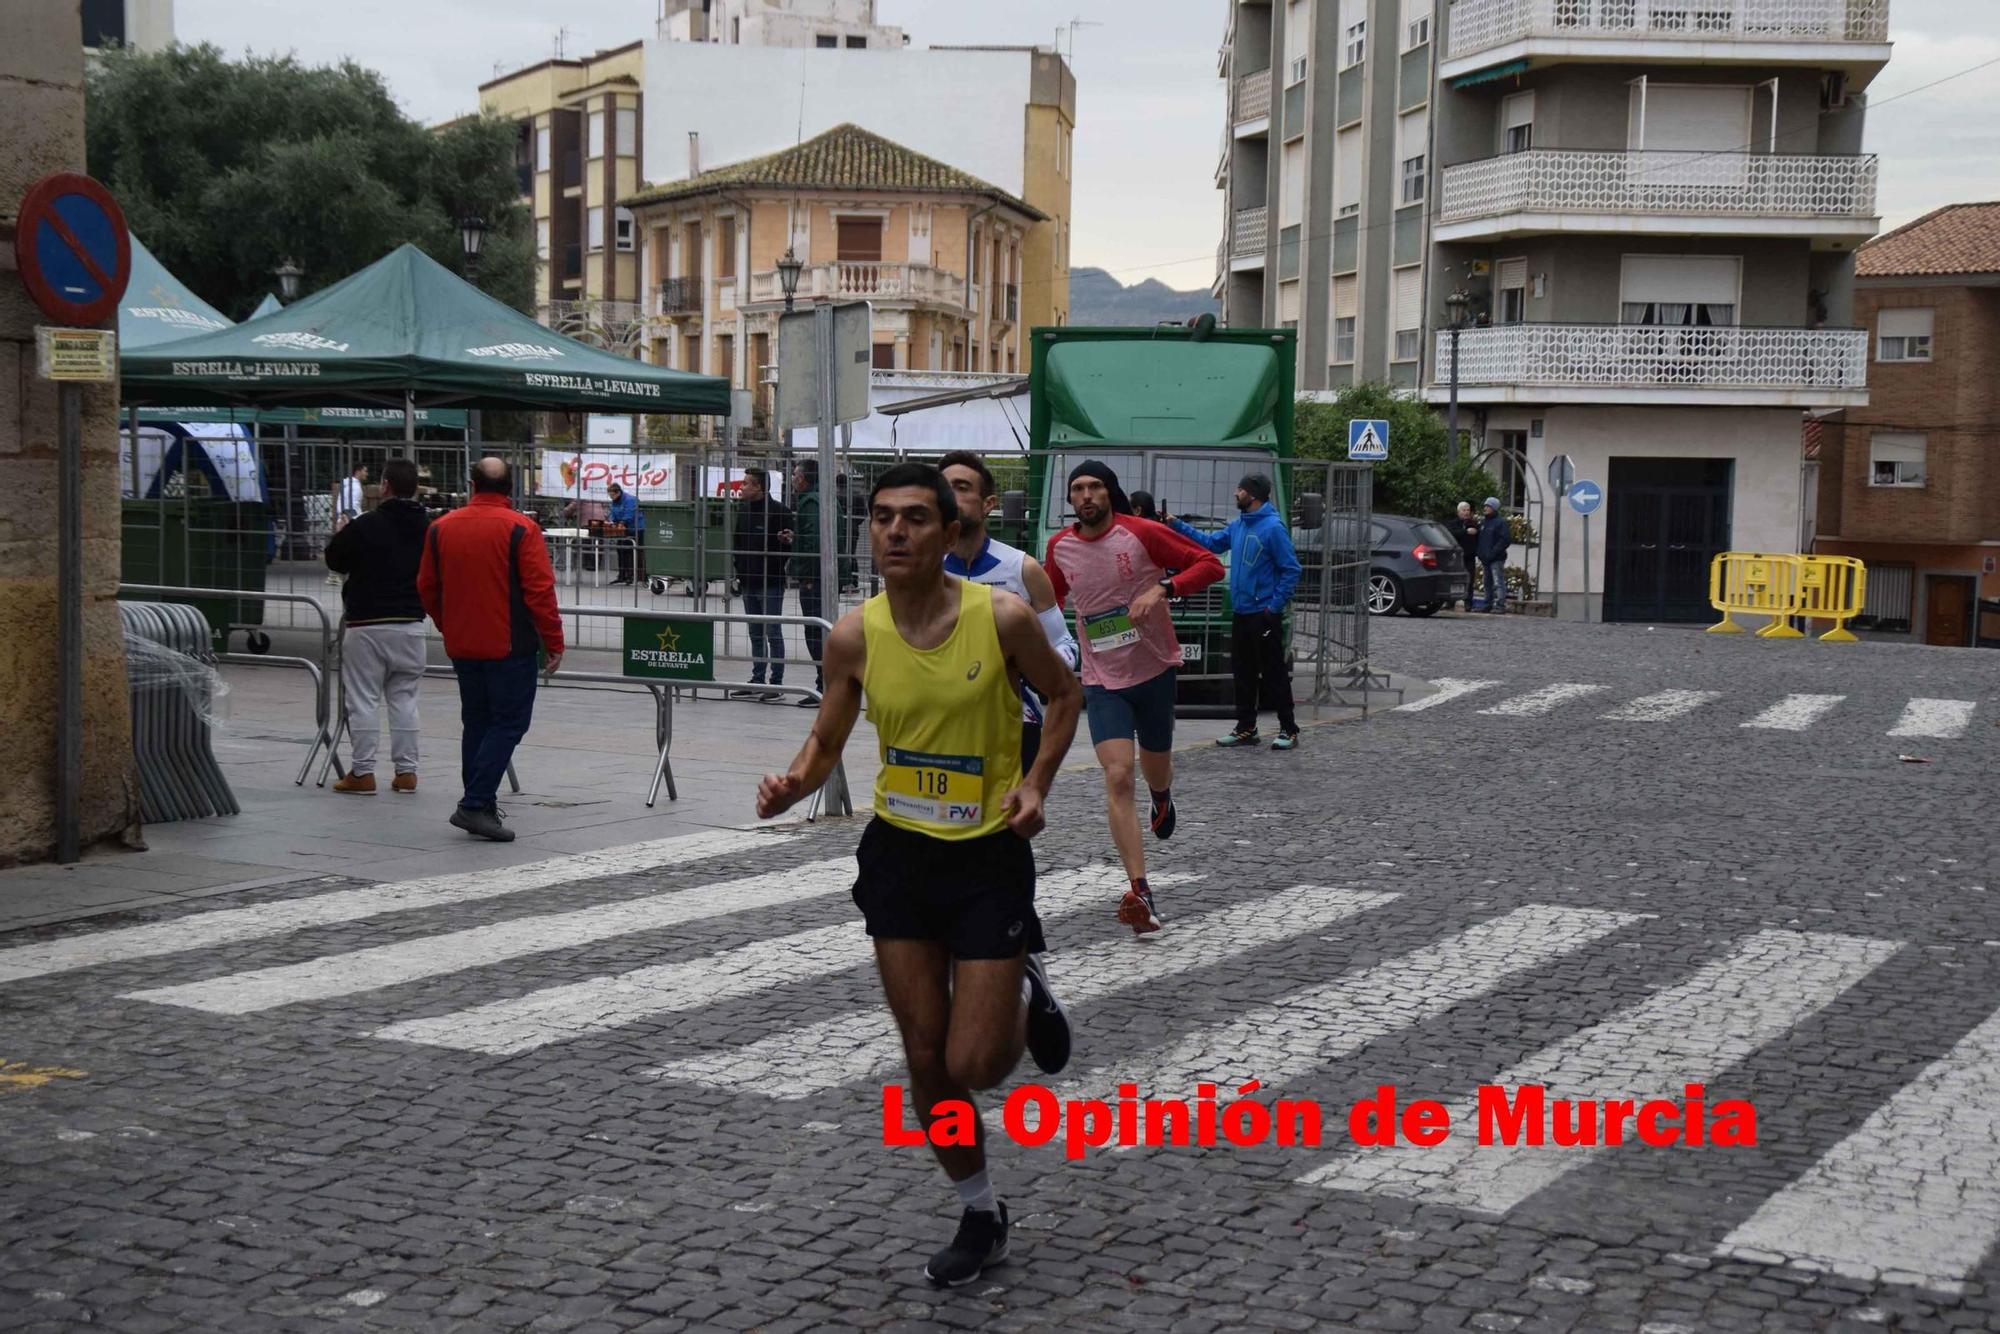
(976, 1193)
(1027, 992)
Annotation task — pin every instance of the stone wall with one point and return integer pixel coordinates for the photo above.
(41, 104)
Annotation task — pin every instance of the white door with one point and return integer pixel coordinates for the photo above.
(1685, 136)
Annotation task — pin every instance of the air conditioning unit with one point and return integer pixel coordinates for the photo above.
(1833, 91)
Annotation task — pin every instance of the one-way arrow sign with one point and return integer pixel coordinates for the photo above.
(1368, 439)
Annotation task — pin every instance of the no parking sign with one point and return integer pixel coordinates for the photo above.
(72, 249)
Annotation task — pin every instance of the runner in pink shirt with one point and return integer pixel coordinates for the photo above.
(1110, 569)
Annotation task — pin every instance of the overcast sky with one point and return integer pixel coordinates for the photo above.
(1149, 105)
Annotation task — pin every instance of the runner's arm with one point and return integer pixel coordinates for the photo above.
(1052, 567)
(1028, 650)
(846, 651)
(1170, 551)
(1042, 597)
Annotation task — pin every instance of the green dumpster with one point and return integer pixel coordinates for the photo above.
(199, 544)
(671, 533)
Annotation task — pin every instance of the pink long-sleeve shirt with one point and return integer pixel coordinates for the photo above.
(1097, 579)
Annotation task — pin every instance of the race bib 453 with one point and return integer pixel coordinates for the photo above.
(1110, 629)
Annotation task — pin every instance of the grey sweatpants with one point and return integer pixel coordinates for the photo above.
(383, 664)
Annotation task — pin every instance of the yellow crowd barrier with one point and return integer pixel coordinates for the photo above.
(1755, 583)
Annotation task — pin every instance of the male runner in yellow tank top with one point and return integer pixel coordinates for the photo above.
(947, 879)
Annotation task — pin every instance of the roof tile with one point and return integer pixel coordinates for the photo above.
(1958, 238)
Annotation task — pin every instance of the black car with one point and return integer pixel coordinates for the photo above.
(1414, 565)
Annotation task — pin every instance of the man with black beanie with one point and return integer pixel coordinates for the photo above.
(1263, 572)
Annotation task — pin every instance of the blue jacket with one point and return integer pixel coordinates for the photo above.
(1263, 568)
(1494, 538)
(625, 510)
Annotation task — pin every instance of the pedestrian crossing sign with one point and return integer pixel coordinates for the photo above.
(1368, 440)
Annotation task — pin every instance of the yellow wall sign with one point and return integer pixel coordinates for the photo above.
(89, 355)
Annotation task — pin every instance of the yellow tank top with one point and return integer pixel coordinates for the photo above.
(948, 721)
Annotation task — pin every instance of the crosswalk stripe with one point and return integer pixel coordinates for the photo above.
(333, 975)
(1939, 718)
(1683, 1035)
(1662, 707)
(800, 1062)
(1795, 713)
(1546, 700)
(1306, 1030)
(1448, 689)
(1915, 1192)
(600, 1004)
(225, 926)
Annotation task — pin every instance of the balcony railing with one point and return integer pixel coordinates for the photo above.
(1481, 25)
(1657, 181)
(1250, 233)
(1253, 96)
(865, 278)
(680, 296)
(1645, 356)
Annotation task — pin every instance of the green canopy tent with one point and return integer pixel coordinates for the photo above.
(159, 308)
(407, 332)
(269, 305)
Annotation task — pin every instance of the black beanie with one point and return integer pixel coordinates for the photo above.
(1258, 485)
(1120, 503)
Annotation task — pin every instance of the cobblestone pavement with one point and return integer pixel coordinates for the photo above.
(642, 1089)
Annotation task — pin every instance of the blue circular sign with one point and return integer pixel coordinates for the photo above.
(1585, 497)
(71, 248)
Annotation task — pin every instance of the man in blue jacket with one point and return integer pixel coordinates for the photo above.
(625, 509)
(1263, 571)
(1494, 539)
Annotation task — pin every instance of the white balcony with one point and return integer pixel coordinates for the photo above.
(867, 280)
(1849, 34)
(1249, 233)
(1250, 106)
(1639, 363)
(1655, 191)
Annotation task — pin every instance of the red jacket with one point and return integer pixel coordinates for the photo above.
(487, 583)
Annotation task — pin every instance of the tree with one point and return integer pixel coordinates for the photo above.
(1421, 476)
(225, 169)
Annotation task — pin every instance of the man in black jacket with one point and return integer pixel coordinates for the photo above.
(763, 541)
(1465, 527)
(382, 654)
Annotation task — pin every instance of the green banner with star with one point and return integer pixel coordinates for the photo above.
(669, 649)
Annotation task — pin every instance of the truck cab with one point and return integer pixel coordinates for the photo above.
(1182, 413)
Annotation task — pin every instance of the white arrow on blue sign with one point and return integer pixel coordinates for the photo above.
(1585, 497)
(1368, 439)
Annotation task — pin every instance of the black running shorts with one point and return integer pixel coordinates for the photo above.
(977, 895)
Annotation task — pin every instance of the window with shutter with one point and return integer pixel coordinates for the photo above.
(1416, 23)
(1517, 123)
(1292, 184)
(1512, 284)
(1346, 295)
(859, 240)
(1409, 314)
(1412, 136)
(1347, 170)
(596, 134)
(1896, 458)
(1696, 291)
(1903, 335)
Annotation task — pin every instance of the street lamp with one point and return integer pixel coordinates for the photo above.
(472, 235)
(288, 275)
(788, 276)
(1455, 306)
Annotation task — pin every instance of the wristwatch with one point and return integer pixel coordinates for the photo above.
(1167, 583)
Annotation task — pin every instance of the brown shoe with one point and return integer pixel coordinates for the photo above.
(364, 784)
(405, 783)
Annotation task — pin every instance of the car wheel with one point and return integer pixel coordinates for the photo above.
(1385, 593)
(1424, 609)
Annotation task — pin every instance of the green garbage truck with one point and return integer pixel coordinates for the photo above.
(1182, 413)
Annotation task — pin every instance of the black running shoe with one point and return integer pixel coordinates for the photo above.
(1164, 816)
(981, 1241)
(1048, 1026)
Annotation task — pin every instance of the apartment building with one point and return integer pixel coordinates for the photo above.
(1005, 115)
(580, 127)
(820, 24)
(938, 253)
(139, 25)
(1647, 211)
(1911, 483)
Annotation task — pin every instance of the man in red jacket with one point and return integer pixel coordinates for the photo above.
(487, 584)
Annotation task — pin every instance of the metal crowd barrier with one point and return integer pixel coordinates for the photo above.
(320, 671)
(1784, 587)
(835, 793)
(179, 778)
